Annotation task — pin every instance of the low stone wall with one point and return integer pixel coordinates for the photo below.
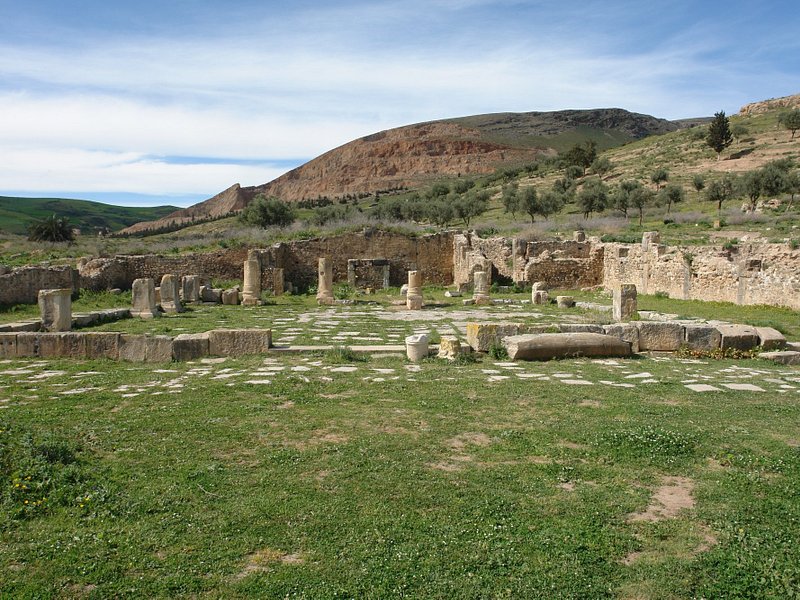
(22, 285)
(745, 274)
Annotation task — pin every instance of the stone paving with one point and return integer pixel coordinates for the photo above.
(38, 379)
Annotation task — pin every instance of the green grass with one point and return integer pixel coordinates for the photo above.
(17, 213)
(435, 484)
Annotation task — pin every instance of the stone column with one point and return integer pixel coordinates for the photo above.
(55, 307)
(325, 282)
(144, 299)
(251, 286)
(190, 285)
(170, 296)
(481, 290)
(414, 293)
(624, 307)
(417, 347)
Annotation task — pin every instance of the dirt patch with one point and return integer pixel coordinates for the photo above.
(460, 442)
(79, 589)
(572, 445)
(567, 486)
(318, 437)
(538, 459)
(589, 403)
(285, 405)
(260, 561)
(670, 498)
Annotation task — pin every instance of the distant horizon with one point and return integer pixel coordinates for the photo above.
(172, 103)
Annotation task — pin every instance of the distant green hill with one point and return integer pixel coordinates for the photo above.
(17, 213)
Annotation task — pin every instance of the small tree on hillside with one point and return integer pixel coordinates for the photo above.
(510, 199)
(51, 229)
(791, 120)
(659, 177)
(719, 191)
(621, 196)
(671, 194)
(529, 202)
(738, 131)
(471, 205)
(593, 197)
(601, 166)
(719, 133)
(265, 212)
(640, 198)
(550, 203)
(698, 182)
(582, 155)
(751, 185)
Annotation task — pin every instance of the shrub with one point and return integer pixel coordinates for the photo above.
(265, 212)
(51, 229)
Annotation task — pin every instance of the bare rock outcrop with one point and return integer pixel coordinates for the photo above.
(785, 102)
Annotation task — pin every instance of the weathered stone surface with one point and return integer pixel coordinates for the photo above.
(453, 294)
(190, 288)
(231, 297)
(102, 344)
(145, 348)
(540, 286)
(62, 345)
(565, 301)
(650, 238)
(626, 332)
(28, 344)
(580, 328)
(417, 347)
(702, 337)
(144, 299)
(414, 291)
(209, 294)
(793, 346)
(251, 285)
(739, 337)
(482, 336)
(660, 336)
(624, 303)
(545, 346)
(55, 307)
(579, 236)
(783, 357)
(239, 342)
(190, 346)
(21, 326)
(770, 339)
(449, 347)
(8, 345)
(481, 288)
(325, 282)
(540, 297)
(170, 294)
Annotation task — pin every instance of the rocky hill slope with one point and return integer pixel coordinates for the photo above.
(756, 108)
(411, 156)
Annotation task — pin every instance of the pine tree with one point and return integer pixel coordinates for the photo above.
(719, 133)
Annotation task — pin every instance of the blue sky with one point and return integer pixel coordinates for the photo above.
(154, 102)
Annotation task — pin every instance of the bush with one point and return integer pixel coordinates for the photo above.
(51, 229)
(266, 212)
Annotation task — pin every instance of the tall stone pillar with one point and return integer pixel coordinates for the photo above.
(325, 282)
(414, 293)
(481, 289)
(251, 286)
(190, 285)
(170, 294)
(144, 299)
(624, 302)
(55, 307)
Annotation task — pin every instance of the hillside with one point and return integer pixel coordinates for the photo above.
(412, 156)
(90, 217)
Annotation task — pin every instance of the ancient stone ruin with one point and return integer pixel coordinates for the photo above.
(55, 307)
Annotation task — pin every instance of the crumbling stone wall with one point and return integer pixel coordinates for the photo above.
(22, 285)
(756, 273)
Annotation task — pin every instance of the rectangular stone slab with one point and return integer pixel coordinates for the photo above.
(239, 342)
(102, 344)
(482, 336)
(626, 332)
(783, 357)
(145, 348)
(546, 346)
(770, 339)
(189, 346)
(659, 336)
(8, 345)
(740, 337)
(702, 337)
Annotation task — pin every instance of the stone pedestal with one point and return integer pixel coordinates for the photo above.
(624, 302)
(325, 282)
(414, 293)
(578, 236)
(539, 286)
(449, 347)
(540, 297)
(144, 299)
(56, 309)
(231, 296)
(170, 294)
(480, 292)
(650, 238)
(417, 347)
(190, 286)
(251, 285)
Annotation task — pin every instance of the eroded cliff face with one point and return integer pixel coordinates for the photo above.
(403, 157)
(785, 102)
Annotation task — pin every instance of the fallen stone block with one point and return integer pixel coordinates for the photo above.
(793, 346)
(231, 297)
(626, 332)
(565, 301)
(209, 294)
(770, 339)
(452, 294)
(580, 328)
(8, 345)
(189, 346)
(84, 320)
(546, 346)
(22, 326)
(239, 342)
(659, 336)
(739, 337)
(449, 347)
(783, 357)
(482, 336)
(102, 344)
(702, 337)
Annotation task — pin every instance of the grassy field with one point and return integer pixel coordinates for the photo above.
(306, 477)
